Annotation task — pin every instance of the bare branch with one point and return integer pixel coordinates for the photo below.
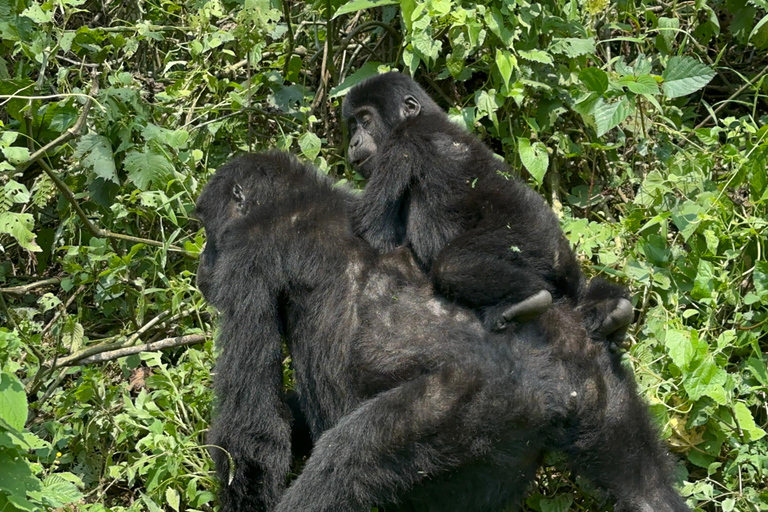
(180, 341)
(21, 290)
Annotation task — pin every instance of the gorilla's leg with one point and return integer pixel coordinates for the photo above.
(616, 446)
(405, 436)
(500, 289)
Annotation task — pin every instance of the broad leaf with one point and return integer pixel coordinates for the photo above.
(359, 5)
(534, 157)
(610, 115)
(685, 75)
(95, 152)
(594, 79)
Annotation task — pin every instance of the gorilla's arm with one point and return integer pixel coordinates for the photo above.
(379, 215)
(251, 434)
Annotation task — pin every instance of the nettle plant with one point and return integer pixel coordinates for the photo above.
(612, 96)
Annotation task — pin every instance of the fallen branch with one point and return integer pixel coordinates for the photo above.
(180, 341)
(21, 290)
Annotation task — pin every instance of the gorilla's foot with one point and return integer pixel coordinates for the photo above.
(521, 312)
(616, 321)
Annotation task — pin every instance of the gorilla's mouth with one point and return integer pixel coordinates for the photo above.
(361, 161)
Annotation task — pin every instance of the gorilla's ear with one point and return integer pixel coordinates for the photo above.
(238, 195)
(411, 107)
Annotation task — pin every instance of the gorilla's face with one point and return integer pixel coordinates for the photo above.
(371, 123)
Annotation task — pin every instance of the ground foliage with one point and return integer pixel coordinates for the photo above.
(644, 123)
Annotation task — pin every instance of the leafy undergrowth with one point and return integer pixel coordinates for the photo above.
(643, 123)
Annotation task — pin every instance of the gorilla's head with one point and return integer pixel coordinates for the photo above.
(375, 107)
(246, 188)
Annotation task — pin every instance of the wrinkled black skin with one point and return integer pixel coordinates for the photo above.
(487, 240)
(412, 405)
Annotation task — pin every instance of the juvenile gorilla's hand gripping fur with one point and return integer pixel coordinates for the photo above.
(488, 241)
(412, 404)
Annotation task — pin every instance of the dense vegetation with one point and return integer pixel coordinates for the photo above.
(645, 123)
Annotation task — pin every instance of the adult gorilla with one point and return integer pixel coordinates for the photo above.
(490, 242)
(412, 404)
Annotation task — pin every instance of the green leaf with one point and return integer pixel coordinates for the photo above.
(15, 192)
(95, 152)
(16, 155)
(679, 347)
(176, 139)
(536, 56)
(594, 79)
(645, 84)
(759, 34)
(703, 285)
(561, 503)
(535, 158)
(760, 279)
(20, 226)
(505, 61)
(747, 422)
(16, 479)
(172, 498)
(706, 379)
(685, 75)
(57, 492)
(758, 368)
(668, 30)
(573, 46)
(359, 5)
(13, 401)
(610, 115)
(146, 168)
(369, 69)
(310, 145)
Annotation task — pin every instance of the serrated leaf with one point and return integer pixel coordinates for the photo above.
(685, 75)
(706, 379)
(535, 158)
(13, 402)
(359, 5)
(645, 84)
(20, 226)
(610, 115)
(58, 492)
(536, 56)
(176, 139)
(573, 46)
(146, 168)
(95, 152)
(595, 80)
(310, 145)
(679, 347)
(505, 61)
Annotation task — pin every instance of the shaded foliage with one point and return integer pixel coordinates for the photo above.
(643, 123)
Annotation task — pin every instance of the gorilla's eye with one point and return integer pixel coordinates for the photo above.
(366, 121)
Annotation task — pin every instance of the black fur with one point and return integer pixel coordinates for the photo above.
(487, 240)
(411, 403)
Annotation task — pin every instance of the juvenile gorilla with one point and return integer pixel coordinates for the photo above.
(413, 406)
(490, 242)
